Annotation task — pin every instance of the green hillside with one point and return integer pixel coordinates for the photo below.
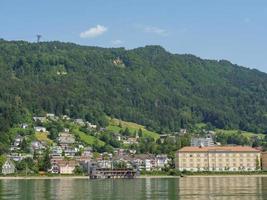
(149, 86)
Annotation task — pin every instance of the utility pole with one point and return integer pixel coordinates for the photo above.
(38, 37)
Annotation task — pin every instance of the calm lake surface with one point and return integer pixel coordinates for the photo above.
(148, 188)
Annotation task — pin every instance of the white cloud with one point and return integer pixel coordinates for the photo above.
(155, 30)
(94, 32)
(116, 42)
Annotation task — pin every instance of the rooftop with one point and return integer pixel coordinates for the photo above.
(219, 148)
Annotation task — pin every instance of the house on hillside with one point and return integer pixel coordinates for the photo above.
(145, 162)
(79, 121)
(67, 166)
(65, 117)
(40, 129)
(16, 144)
(202, 141)
(162, 161)
(87, 152)
(24, 125)
(183, 131)
(70, 151)
(65, 140)
(50, 115)
(8, 167)
(41, 119)
(37, 147)
(66, 130)
(56, 151)
(91, 125)
(131, 140)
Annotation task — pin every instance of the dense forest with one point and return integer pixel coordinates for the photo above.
(148, 85)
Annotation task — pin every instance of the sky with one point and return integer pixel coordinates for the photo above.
(235, 30)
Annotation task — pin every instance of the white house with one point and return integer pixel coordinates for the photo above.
(8, 167)
(50, 115)
(162, 160)
(41, 119)
(91, 125)
(67, 166)
(18, 140)
(24, 125)
(40, 129)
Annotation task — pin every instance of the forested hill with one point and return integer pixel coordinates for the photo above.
(147, 85)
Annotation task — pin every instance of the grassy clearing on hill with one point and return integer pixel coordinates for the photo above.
(43, 137)
(114, 125)
(245, 133)
(87, 139)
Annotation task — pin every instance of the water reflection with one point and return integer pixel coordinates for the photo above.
(230, 188)
(251, 188)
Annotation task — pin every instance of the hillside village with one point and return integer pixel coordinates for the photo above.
(62, 145)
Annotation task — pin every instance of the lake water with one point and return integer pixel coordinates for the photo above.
(205, 188)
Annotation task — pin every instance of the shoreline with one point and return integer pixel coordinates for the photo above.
(138, 177)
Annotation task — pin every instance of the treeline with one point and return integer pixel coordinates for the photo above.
(149, 86)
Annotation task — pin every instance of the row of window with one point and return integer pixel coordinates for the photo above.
(218, 155)
(220, 169)
(219, 160)
(218, 165)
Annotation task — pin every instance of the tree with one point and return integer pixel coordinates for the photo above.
(140, 132)
(24, 145)
(2, 161)
(45, 162)
(78, 170)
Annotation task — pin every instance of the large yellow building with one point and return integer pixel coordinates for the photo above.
(218, 158)
(264, 160)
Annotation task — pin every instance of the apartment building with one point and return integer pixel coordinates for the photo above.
(264, 161)
(218, 158)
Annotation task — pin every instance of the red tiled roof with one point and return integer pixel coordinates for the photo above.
(219, 148)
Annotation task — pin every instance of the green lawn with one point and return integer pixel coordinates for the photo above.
(88, 139)
(245, 133)
(114, 126)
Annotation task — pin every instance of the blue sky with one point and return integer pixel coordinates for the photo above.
(235, 30)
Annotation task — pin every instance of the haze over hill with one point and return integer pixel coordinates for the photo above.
(146, 85)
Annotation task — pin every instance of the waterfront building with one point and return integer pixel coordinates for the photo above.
(264, 160)
(8, 167)
(218, 158)
(67, 166)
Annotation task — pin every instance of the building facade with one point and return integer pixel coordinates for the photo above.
(218, 158)
(264, 161)
(67, 166)
(206, 142)
(8, 167)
